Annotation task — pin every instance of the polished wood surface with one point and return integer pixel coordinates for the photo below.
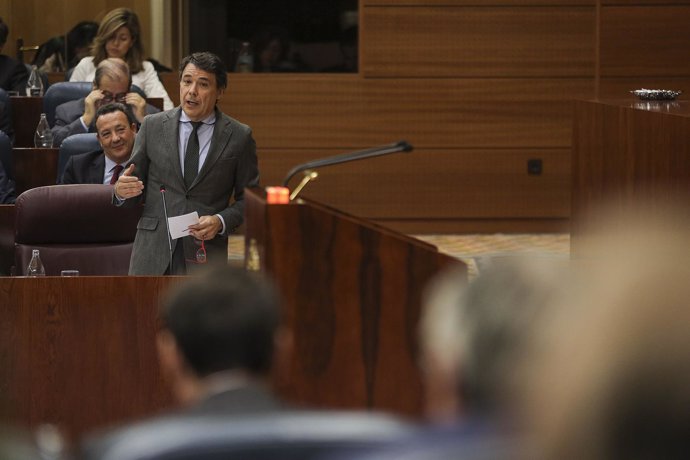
(628, 150)
(6, 238)
(496, 41)
(80, 352)
(352, 294)
(34, 167)
(26, 113)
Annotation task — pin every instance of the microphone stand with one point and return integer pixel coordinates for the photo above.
(401, 146)
(167, 227)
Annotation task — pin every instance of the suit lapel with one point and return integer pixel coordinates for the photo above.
(97, 169)
(171, 127)
(221, 136)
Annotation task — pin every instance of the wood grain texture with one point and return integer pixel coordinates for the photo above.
(322, 111)
(80, 352)
(645, 41)
(352, 296)
(34, 167)
(430, 183)
(6, 238)
(478, 41)
(26, 113)
(628, 151)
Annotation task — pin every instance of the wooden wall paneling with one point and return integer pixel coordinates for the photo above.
(478, 41)
(645, 41)
(430, 183)
(319, 111)
(464, 226)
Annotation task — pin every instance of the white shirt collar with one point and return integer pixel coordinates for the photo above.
(211, 119)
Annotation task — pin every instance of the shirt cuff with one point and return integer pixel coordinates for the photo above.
(83, 125)
(222, 221)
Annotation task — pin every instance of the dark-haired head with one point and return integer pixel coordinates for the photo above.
(208, 62)
(224, 320)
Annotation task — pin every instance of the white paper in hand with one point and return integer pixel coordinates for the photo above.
(179, 225)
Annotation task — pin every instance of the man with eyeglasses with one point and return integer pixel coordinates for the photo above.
(111, 84)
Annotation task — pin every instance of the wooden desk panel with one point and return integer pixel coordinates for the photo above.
(80, 352)
(627, 150)
(26, 112)
(6, 238)
(34, 167)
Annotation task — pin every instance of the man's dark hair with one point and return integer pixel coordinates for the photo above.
(224, 320)
(208, 62)
(4, 32)
(115, 107)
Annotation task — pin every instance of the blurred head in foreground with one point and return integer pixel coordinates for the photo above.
(224, 323)
(613, 381)
(472, 335)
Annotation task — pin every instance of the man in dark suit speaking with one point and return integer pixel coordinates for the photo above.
(116, 130)
(202, 158)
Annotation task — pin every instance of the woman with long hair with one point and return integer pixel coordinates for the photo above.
(119, 36)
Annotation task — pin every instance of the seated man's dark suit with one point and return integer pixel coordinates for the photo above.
(85, 168)
(68, 120)
(7, 193)
(13, 75)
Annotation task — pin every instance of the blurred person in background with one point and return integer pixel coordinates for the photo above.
(119, 36)
(62, 53)
(13, 74)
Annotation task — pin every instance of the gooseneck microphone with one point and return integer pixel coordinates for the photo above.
(401, 146)
(167, 227)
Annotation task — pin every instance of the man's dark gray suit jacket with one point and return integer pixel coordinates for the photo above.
(85, 168)
(230, 166)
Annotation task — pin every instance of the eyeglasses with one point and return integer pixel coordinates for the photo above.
(110, 97)
(200, 256)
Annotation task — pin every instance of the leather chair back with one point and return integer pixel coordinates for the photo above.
(74, 227)
(62, 92)
(74, 145)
